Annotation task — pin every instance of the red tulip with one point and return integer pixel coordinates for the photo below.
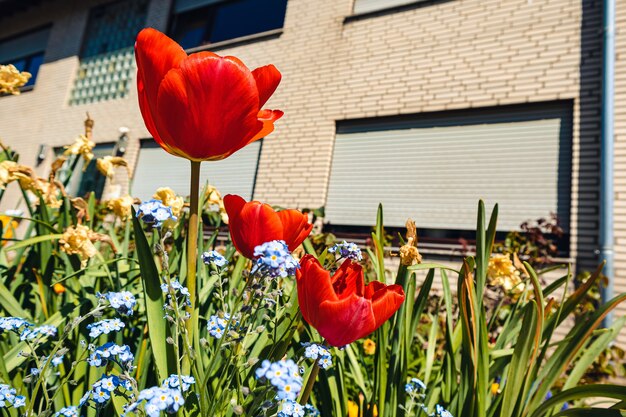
(254, 223)
(342, 308)
(202, 106)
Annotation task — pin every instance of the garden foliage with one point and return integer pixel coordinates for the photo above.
(134, 308)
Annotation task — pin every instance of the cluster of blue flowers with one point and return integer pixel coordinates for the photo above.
(36, 332)
(155, 213)
(417, 391)
(174, 382)
(158, 399)
(215, 258)
(111, 352)
(105, 327)
(123, 302)
(102, 389)
(180, 300)
(177, 287)
(71, 411)
(318, 353)
(274, 259)
(415, 386)
(217, 325)
(9, 399)
(347, 251)
(25, 329)
(441, 412)
(57, 360)
(12, 324)
(284, 375)
(291, 408)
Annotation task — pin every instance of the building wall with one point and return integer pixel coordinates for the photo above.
(439, 55)
(620, 156)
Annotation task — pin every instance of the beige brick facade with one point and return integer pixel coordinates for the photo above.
(436, 56)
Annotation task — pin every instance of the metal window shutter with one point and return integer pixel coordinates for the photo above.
(22, 46)
(157, 168)
(186, 5)
(436, 172)
(366, 6)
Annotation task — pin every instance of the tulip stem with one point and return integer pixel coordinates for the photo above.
(309, 383)
(192, 255)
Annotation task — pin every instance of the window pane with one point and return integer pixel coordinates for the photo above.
(113, 26)
(246, 17)
(34, 63)
(20, 64)
(190, 28)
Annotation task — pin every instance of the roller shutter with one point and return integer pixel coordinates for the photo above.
(366, 6)
(434, 169)
(157, 168)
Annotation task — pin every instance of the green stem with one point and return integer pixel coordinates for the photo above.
(309, 383)
(192, 256)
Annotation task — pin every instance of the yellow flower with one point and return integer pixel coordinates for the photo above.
(121, 206)
(82, 146)
(353, 409)
(213, 202)
(369, 347)
(502, 273)
(58, 288)
(409, 255)
(11, 79)
(108, 164)
(47, 189)
(8, 227)
(11, 171)
(77, 241)
(169, 198)
(495, 388)
(6, 173)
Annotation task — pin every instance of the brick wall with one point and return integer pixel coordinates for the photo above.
(439, 55)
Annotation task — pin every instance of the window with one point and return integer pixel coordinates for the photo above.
(199, 22)
(26, 52)
(157, 168)
(434, 168)
(107, 59)
(367, 6)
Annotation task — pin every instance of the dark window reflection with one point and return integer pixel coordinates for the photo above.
(227, 20)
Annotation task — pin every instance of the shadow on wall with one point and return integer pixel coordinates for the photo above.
(588, 180)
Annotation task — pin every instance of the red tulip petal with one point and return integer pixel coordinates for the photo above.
(267, 117)
(156, 54)
(209, 106)
(386, 300)
(344, 321)
(267, 80)
(348, 280)
(233, 205)
(251, 224)
(296, 227)
(314, 288)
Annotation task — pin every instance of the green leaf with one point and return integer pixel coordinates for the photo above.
(33, 240)
(11, 305)
(518, 368)
(593, 352)
(596, 390)
(158, 329)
